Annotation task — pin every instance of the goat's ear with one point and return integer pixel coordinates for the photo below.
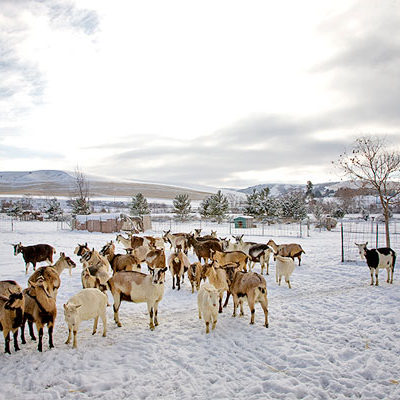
(77, 306)
(4, 298)
(65, 306)
(366, 243)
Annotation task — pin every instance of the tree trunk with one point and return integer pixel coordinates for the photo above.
(386, 215)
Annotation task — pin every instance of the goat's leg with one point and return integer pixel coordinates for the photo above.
(235, 304)
(372, 276)
(391, 279)
(75, 341)
(96, 320)
(388, 275)
(23, 341)
(26, 268)
(16, 347)
(151, 314)
(214, 321)
(251, 302)
(50, 332)
(7, 342)
(220, 302)
(117, 303)
(228, 293)
(376, 277)
(264, 305)
(173, 282)
(156, 313)
(288, 281)
(241, 307)
(207, 327)
(279, 280)
(69, 336)
(31, 331)
(34, 266)
(40, 330)
(178, 282)
(103, 317)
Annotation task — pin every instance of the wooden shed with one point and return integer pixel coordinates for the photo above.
(244, 221)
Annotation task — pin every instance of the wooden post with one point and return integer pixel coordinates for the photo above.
(377, 235)
(342, 237)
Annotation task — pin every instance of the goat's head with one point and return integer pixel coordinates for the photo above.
(67, 260)
(158, 275)
(71, 313)
(80, 249)
(13, 301)
(17, 248)
(362, 247)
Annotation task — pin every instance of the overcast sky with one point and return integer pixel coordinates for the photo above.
(220, 93)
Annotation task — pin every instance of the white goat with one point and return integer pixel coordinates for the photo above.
(207, 303)
(85, 305)
(284, 267)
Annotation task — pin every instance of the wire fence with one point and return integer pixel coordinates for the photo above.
(299, 229)
(367, 231)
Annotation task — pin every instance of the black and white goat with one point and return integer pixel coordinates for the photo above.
(382, 258)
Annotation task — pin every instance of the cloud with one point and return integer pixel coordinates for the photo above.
(12, 152)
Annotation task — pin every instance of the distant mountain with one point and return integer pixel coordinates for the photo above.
(277, 189)
(61, 183)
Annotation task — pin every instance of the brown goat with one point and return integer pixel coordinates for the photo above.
(41, 309)
(12, 306)
(252, 286)
(291, 250)
(34, 254)
(177, 263)
(231, 257)
(119, 262)
(51, 277)
(203, 250)
(195, 275)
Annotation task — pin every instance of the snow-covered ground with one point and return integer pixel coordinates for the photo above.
(331, 336)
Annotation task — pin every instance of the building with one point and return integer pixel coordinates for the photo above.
(244, 221)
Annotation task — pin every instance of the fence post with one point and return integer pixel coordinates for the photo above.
(301, 233)
(262, 227)
(377, 235)
(342, 237)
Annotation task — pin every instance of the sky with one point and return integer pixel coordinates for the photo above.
(218, 93)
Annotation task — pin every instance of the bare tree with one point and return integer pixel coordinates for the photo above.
(81, 201)
(372, 164)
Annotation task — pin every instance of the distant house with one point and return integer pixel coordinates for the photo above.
(108, 223)
(244, 221)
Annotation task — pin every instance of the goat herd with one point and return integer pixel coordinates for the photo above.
(227, 266)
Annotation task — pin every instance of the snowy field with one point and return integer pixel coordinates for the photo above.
(332, 336)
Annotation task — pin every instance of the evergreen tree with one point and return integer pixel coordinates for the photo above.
(293, 206)
(309, 191)
(252, 204)
(139, 205)
(52, 208)
(182, 207)
(204, 207)
(215, 206)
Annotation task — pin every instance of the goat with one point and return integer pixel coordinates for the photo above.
(176, 241)
(132, 242)
(81, 249)
(156, 242)
(155, 259)
(252, 286)
(203, 250)
(97, 264)
(12, 306)
(119, 262)
(382, 258)
(177, 263)
(50, 276)
(207, 299)
(291, 250)
(361, 247)
(34, 254)
(62, 263)
(138, 288)
(195, 275)
(231, 257)
(41, 309)
(87, 304)
(260, 253)
(284, 267)
(218, 278)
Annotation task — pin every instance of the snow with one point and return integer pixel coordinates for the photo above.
(332, 336)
